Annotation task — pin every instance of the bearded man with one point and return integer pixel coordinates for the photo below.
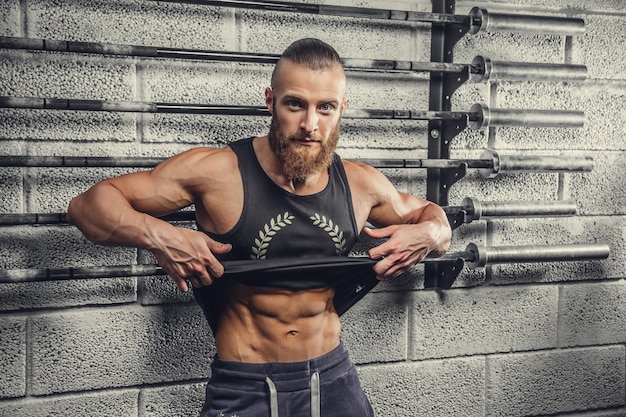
(284, 195)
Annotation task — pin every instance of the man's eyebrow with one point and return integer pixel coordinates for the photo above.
(287, 97)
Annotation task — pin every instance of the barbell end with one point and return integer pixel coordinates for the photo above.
(490, 154)
(478, 17)
(483, 69)
(472, 208)
(479, 256)
(479, 116)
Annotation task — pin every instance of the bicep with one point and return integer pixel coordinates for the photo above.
(154, 192)
(390, 206)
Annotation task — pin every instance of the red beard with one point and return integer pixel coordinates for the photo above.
(300, 162)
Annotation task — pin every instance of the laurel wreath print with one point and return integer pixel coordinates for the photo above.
(333, 231)
(259, 251)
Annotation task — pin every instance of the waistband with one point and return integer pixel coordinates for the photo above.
(287, 376)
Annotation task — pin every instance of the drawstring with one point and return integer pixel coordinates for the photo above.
(315, 395)
(273, 397)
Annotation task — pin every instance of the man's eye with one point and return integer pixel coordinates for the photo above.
(294, 104)
(326, 107)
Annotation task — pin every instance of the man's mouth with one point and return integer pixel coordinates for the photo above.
(307, 141)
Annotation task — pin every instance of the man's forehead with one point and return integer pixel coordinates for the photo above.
(290, 76)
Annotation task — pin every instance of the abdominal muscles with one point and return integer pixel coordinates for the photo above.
(276, 325)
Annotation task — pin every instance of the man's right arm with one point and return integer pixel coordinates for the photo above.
(120, 212)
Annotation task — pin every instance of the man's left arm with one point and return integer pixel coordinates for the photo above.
(413, 227)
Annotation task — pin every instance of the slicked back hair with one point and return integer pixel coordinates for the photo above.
(310, 53)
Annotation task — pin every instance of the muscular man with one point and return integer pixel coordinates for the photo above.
(286, 194)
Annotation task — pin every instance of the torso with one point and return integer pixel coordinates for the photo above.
(260, 324)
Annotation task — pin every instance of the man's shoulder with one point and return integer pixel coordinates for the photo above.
(203, 160)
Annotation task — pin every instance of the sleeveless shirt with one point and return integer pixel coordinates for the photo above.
(276, 224)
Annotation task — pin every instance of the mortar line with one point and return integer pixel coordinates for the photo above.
(487, 380)
(560, 183)
(559, 309)
(28, 365)
(410, 323)
(23, 18)
(139, 96)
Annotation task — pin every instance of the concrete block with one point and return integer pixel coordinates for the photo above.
(600, 47)
(601, 191)
(50, 190)
(162, 290)
(563, 381)
(32, 74)
(202, 130)
(482, 320)
(432, 388)
(352, 38)
(507, 186)
(560, 231)
(592, 314)
(12, 357)
(385, 91)
(10, 22)
(132, 22)
(12, 190)
(87, 350)
(599, 100)
(211, 82)
(56, 247)
(110, 404)
(375, 329)
(59, 125)
(59, 294)
(172, 401)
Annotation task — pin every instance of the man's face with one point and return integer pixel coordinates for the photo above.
(306, 108)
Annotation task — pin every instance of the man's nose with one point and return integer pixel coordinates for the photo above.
(310, 120)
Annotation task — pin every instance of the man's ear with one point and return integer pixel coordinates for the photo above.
(269, 99)
(344, 103)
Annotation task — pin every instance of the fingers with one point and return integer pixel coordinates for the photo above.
(189, 259)
(382, 250)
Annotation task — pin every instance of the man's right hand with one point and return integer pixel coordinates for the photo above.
(187, 256)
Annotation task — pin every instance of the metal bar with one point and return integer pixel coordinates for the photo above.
(476, 210)
(473, 209)
(479, 116)
(536, 163)
(484, 21)
(146, 107)
(333, 10)
(491, 163)
(483, 69)
(523, 117)
(36, 219)
(354, 64)
(116, 271)
(474, 255)
(537, 253)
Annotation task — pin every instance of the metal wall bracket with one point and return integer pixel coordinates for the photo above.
(448, 272)
(441, 132)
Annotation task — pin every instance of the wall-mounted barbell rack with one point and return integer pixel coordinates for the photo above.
(446, 76)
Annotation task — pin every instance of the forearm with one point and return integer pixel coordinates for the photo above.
(440, 231)
(105, 217)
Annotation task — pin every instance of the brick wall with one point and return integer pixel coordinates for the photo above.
(506, 340)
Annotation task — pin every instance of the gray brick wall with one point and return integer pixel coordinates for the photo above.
(506, 340)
